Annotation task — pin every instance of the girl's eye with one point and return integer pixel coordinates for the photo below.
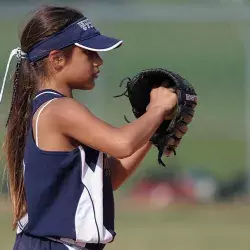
(90, 53)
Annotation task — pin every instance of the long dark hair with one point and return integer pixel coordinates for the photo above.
(45, 21)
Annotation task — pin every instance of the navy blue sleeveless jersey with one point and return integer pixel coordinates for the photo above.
(69, 194)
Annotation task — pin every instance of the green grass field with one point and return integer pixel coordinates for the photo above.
(179, 227)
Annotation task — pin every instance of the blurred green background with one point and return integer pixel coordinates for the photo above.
(207, 42)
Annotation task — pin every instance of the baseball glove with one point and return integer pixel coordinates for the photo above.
(168, 135)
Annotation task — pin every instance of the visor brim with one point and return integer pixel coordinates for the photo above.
(99, 43)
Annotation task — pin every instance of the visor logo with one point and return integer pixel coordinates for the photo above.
(85, 24)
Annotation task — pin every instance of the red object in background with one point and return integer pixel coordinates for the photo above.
(164, 192)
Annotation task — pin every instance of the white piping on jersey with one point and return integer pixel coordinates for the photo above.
(46, 92)
(39, 113)
(23, 166)
(22, 223)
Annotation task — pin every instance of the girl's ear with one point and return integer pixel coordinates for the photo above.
(57, 60)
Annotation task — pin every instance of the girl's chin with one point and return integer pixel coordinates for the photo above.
(89, 86)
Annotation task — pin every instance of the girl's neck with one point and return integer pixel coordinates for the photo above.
(63, 89)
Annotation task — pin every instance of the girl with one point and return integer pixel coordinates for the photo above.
(64, 162)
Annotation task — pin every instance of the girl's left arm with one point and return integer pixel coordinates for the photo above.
(121, 169)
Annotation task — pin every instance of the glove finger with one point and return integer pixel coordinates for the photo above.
(187, 118)
(168, 152)
(187, 114)
(181, 130)
(193, 105)
(174, 142)
(177, 141)
(189, 111)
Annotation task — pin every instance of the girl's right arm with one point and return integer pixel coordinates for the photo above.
(76, 121)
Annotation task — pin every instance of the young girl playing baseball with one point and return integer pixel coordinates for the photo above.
(63, 162)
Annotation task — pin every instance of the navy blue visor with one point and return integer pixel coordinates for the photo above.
(80, 33)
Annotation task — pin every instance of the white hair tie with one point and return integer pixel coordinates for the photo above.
(19, 55)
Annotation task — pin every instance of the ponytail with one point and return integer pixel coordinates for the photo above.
(24, 88)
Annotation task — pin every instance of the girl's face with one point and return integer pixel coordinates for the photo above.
(82, 68)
